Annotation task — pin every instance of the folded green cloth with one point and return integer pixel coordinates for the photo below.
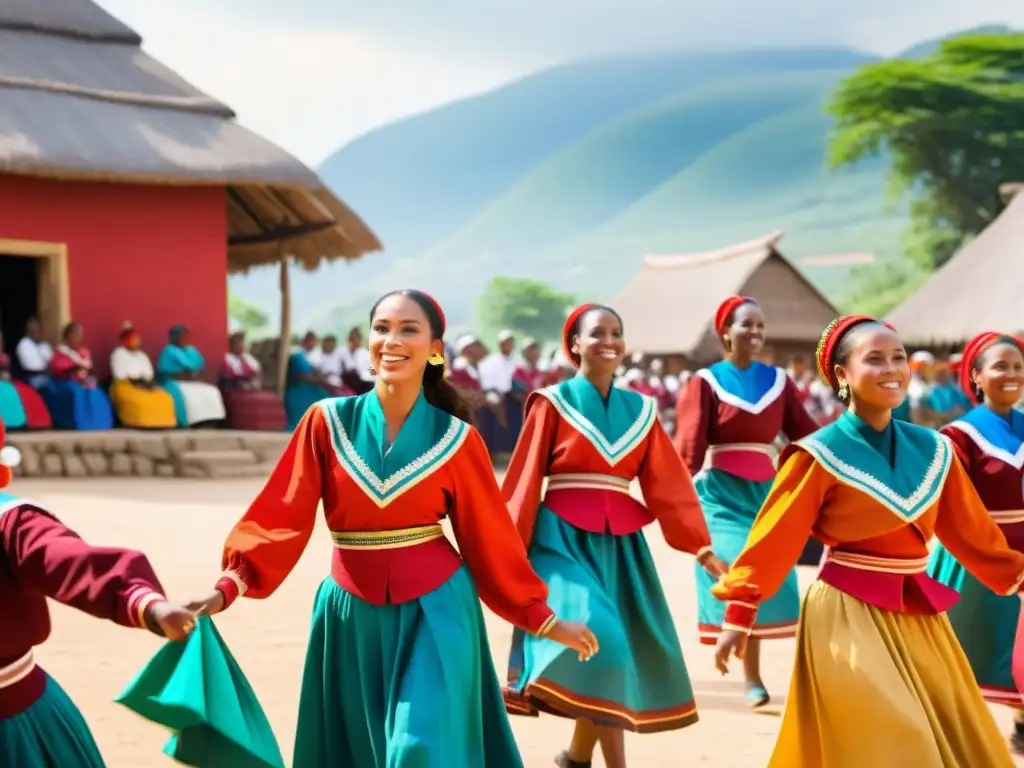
(196, 688)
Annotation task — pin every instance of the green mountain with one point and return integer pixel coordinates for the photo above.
(572, 174)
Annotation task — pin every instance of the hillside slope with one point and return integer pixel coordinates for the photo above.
(753, 160)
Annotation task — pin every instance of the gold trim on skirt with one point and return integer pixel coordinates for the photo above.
(393, 539)
(879, 689)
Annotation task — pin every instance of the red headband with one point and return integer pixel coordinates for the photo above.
(974, 348)
(726, 308)
(437, 308)
(830, 337)
(570, 321)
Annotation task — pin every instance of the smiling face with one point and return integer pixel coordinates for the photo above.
(599, 342)
(999, 374)
(874, 367)
(400, 340)
(744, 336)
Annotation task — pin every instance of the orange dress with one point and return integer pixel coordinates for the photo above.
(880, 679)
(568, 490)
(398, 670)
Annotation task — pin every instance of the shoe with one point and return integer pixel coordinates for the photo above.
(757, 696)
(563, 761)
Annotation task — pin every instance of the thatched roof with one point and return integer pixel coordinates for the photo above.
(669, 306)
(79, 99)
(977, 290)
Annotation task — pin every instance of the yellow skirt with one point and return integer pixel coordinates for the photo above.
(877, 689)
(143, 408)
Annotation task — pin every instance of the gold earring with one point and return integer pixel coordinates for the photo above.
(436, 359)
(844, 392)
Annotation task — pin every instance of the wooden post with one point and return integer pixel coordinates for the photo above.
(285, 342)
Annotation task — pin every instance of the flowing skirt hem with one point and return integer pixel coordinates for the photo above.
(550, 698)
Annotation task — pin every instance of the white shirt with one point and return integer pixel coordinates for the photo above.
(496, 372)
(358, 360)
(235, 363)
(130, 364)
(32, 355)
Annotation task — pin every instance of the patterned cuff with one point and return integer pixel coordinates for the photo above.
(702, 552)
(232, 586)
(545, 628)
(739, 617)
(139, 599)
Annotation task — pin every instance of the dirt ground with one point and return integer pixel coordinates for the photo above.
(181, 524)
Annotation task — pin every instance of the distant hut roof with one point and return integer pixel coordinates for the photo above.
(977, 290)
(669, 306)
(80, 100)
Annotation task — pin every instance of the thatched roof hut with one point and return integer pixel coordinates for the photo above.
(977, 290)
(669, 306)
(79, 99)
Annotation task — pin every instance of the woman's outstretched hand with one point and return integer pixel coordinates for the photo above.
(172, 620)
(209, 605)
(713, 565)
(574, 635)
(730, 643)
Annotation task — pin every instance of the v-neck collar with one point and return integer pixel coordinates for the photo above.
(995, 435)
(614, 427)
(425, 442)
(909, 487)
(740, 388)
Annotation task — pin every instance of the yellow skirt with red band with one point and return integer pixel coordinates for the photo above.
(902, 679)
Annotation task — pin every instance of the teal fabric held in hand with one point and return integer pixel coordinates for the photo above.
(196, 688)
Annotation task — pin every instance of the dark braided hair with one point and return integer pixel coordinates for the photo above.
(436, 389)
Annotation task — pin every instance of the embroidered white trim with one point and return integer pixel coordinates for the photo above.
(728, 398)
(383, 492)
(236, 578)
(907, 508)
(611, 452)
(17, 671)
(1015, 460)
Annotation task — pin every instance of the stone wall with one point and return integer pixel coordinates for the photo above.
(138, 453)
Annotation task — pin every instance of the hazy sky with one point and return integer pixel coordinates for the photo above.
(313, 74)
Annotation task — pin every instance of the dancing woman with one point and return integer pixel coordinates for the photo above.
(398, 669)
(734, 410)
(41, 558)
(989, 441)
(880, 679)
(585, 538)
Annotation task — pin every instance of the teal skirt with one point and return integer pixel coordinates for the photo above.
(50, 734)
(730, 505)
(638, 680)
(985, 624)
(402, 686)
(12, 411)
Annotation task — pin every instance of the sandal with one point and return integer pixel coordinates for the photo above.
(563, 761)
(757, 696)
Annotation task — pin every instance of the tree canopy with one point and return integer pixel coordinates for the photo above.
(528, 307)
(953, 124)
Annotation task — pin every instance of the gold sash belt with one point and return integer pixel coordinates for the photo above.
(393, 539)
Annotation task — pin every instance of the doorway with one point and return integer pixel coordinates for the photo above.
(33, 283)
(19, 296)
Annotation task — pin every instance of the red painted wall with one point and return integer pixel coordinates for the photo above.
(155, 255)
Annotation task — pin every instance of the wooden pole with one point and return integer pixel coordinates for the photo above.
(284, 343)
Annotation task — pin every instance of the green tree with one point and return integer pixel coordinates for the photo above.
(528, 307)
(246, 315)
(953, 123)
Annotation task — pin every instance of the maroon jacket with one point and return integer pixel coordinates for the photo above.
(42, 558)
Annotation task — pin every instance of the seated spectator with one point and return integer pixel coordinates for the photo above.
(305, 385)
(138, 401)
(33, 356)
(20, 405)
(248, 405)
(329, 359)
(178, 370)
(356, 368)
(71, 393)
